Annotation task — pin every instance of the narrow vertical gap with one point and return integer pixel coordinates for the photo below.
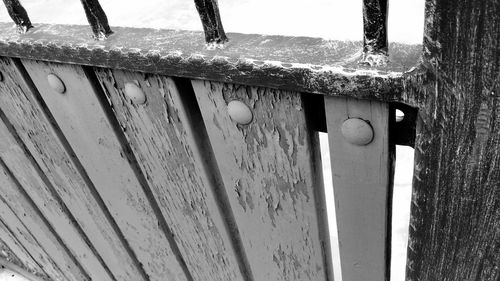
(204, 147)
(42, 218)
(80, 169)
(122, 139)
(401, 210)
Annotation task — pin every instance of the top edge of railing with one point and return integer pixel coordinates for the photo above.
(305, 64)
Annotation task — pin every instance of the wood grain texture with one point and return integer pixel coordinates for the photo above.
(455, 215)
(160, 135)
(37, 189)
(18, 14)
(361, 179)
(12, 251)
(269, 175)
(90, 133)
(21, 107)
(30, 229)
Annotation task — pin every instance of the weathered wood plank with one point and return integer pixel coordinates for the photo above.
(18, 14)
(97, 18)
(160, 135)
(32, 232)
(269, 176)
(38, 190)
(90, 133)
(311, 65)
(361, 179)
(375, 43)
(210, 19)
(12, 251)
(455, 212)
(20, 105)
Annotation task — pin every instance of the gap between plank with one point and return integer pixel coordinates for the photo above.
(122, 139)
(81, 171)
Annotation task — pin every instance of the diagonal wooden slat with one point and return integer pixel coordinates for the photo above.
(18, 14)
(81, 117)
(19, 104)
(97, 18)
(32, 232)
(15, 252)
(211, 21)
(361, 176)
(271, 179)
(162, 136)
(55, 212)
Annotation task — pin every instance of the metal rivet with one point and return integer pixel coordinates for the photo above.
(134, 93)
(239, 112)
(56, 83)
(357, 131)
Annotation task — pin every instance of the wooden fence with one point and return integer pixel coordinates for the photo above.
(155, 155)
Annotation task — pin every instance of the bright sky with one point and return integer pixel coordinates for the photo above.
(330, 19)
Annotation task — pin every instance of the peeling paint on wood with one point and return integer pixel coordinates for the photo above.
(40, 192)
(303, 64)
(268, 171)
(84, 122)
(32, 232)
(21, 107)
(160, 136)
(361, 183)
(13, 252)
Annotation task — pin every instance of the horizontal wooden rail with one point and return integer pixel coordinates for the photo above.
(304, 64)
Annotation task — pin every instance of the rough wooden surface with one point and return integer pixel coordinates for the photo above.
(160, 135)
(455, 221)
(31, 230)
(311, 65)
(12, 251)
(84, 122)
(269, 176)
(361, 184)
(19, 103)
(375, 42)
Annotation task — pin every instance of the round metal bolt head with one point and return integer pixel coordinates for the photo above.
(56, 83)
(357, 131)
(134, 93)
(239, 112)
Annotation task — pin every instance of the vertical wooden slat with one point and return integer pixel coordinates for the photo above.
(16, 253)
(270, 179)
(361, 184)
(211, 21)
(160, 135)
(32, 232)
(91, 135)
(375, 42)
(20, 105)
(38, 190)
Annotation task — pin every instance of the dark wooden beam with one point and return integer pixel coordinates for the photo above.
(18, 14)
(210, 19)
(310, 65)
(97, 18)
(455, 221)
(375, 44)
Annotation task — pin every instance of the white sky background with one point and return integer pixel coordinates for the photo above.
(329, 19)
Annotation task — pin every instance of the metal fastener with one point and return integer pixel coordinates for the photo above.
(56, 83)
(134, 93)
(357, 131)
(239, 112)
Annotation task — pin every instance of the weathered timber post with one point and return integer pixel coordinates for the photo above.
(18, 14)
(96, 18)
(455, 222)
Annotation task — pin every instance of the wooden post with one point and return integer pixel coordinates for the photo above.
(97, 18)
(210, 19)
(18, 14)
(455, 221)
(375, 43)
